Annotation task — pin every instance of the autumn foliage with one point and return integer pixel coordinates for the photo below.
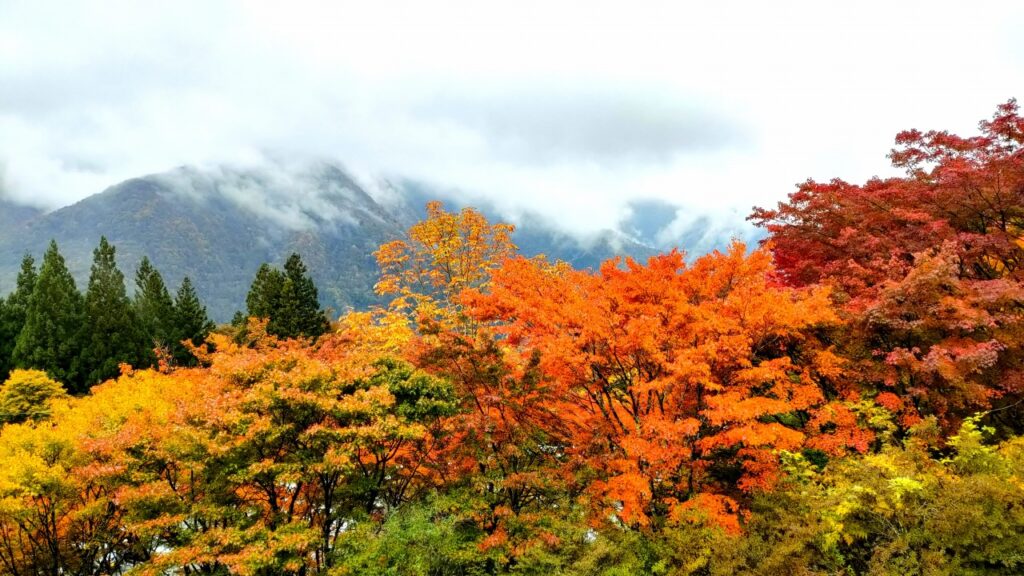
(841, 399)
(927, 267)
(672, 381)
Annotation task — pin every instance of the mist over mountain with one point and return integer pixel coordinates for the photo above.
(13, 215)
(217, 225)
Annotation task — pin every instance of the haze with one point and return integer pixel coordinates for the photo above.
(570, 110)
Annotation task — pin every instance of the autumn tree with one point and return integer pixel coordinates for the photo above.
(27, 395)
(289, 452)
(13, 311)
(676, 384)
(111, 332)
(928, 266)
(50, 338)
(440, 257)
(900, 511)
(501, 455)
(59, 508)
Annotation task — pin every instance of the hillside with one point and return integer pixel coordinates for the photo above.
(13, 215)
(218, 226)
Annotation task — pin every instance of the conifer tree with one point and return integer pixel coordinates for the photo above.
(5, 341)
(111, 333)
(191, 323)
(288, 300)
(301, 314)
(153, 305)
(13, 311)
(264, 297)
(49, 340)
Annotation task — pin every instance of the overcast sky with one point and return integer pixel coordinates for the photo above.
(571, 109)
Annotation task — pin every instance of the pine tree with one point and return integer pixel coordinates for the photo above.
(5, 341)
(191, 323)
(264, 298)
(302, 315)
(288, 300)
(13, 311)
(111, 332)
(49, 340)
(153, 305)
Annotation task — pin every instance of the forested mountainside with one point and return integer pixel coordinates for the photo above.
(218, 226)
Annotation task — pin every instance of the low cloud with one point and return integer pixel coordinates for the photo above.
(609, 124)
(294, 196)
(571, 110)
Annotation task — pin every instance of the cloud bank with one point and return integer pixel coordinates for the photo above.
(574, 110)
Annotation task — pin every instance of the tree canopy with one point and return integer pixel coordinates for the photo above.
(844, 399)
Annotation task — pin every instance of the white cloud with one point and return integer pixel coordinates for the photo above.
(571, 109)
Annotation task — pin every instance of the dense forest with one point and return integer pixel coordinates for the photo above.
(847, 398)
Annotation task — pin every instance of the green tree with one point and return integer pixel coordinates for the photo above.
(301, 314)
(190, 323)
(13, 311)
(153, 305)
(5, 341)
(49, 340)
(111, 332)
(288, 300)
(264, 297)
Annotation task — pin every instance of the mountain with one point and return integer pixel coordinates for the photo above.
(13, 215)
(218, 225)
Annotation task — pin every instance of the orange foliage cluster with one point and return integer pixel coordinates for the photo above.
(661, 373)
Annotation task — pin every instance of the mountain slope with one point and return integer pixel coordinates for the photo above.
(218, 226)
(14, 215)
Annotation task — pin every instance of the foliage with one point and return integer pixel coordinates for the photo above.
(288, 300)
(190, 325)
(50, 338)
(300, 304)
(441, 256)
(286, 454)
(153, 305)
(13, 311)
(844, 400)
(28, 395)
(899, 511)
(929, 266)
(672, 383)
(111, 333)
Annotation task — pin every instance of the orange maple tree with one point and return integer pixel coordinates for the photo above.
(671, 381)
(441, 256)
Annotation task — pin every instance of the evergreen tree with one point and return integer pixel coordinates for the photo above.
(111, 333)
(5, 341)
(265, 293)
(13, 311)
(190, 323)
(264, 298)
(153, 305)
(301, 314)
(288, 300)
(49, 340)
